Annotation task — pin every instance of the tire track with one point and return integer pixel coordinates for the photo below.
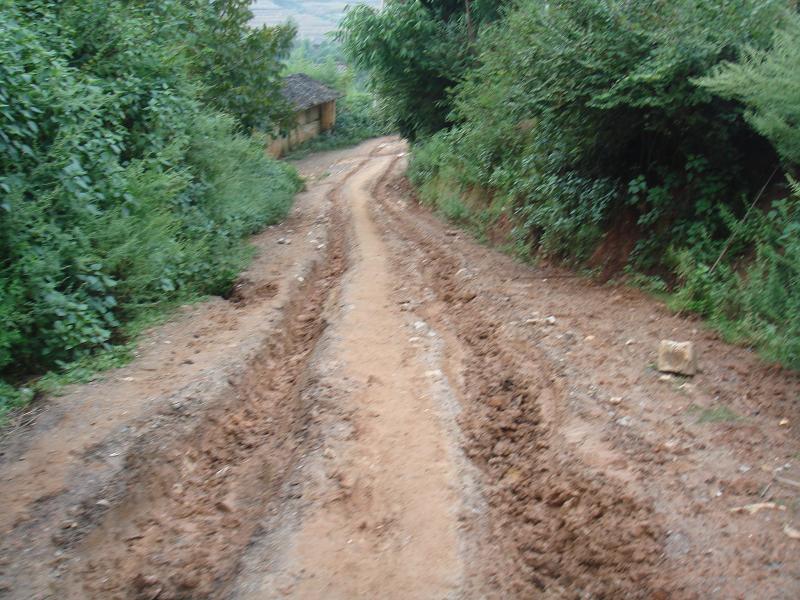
(566, 531)
(196, 487)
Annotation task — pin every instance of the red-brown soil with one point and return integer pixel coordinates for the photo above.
(384, 408)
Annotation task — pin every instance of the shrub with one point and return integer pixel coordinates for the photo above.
(767, 82)
(758, 302)
(415, 52)
(659, 119)
(240, 66)
(120, 189)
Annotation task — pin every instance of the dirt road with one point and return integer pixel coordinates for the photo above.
(385, 409)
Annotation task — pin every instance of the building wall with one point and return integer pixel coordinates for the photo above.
(310, 123)
(327, 115)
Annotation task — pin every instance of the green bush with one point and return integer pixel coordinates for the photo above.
(768, 83)
(324, 62)
(570, 96)
(758, 302)
(415, 52)
(659, 120)
(121, 191)
(239, 65)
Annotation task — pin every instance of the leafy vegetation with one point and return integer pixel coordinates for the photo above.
(238, 65)
(416, 52)
(758, 299)
(643, 134)
(123, 189)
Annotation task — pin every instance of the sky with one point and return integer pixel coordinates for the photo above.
(314, 18)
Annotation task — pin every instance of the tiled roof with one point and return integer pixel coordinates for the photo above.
(304, 92)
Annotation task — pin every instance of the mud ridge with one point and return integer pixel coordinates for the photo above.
(195, 490)
(569, 532)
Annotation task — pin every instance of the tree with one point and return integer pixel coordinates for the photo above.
(241, 66)
(768, 83)
(416, 52)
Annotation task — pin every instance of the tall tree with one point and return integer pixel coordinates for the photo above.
(240, 65)
(416, 52)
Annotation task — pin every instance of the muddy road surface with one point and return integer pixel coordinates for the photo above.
(384, 408)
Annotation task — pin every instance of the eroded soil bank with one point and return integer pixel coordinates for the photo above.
(386, 409)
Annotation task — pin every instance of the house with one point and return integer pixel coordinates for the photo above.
(314, 105)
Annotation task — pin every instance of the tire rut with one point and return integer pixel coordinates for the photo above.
(194, 492)
(567, 532)
(378, 493)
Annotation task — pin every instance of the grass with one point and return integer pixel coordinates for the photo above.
(454, 209)
(713, 414)
(88, 368)
(323, 143)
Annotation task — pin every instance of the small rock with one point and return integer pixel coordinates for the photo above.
(589, 338)
(784, 422)
(677, 357)
(630, 342)
(615, 400)
(189, 582)
(281, 240)
(625, 421)
(104, 503)
(224, 506)
(346, 480)
(512, 476)
(758, 506)
(305, 318)
(791, 532)
(144, 581)
(551, 320)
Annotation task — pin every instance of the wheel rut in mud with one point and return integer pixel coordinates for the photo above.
(562, 529)
(194, 496)
(379, 493)
(383, 408)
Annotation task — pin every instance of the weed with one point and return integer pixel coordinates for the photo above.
(713, 414)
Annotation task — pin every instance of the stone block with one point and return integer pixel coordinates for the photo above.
(677, 357)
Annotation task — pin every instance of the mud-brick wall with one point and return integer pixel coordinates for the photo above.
(310, 123)
(328, 115)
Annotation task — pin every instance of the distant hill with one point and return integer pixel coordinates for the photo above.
(314, 18)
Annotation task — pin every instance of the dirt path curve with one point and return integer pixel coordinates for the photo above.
(385, 409)
(382, 522)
